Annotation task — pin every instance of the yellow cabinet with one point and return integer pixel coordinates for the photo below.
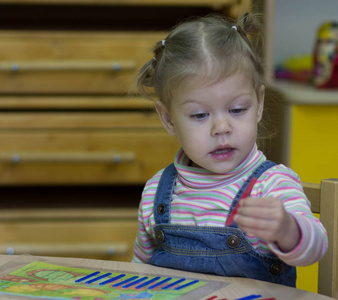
(308, 143)
(310, 136)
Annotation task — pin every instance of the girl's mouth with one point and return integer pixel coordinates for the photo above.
(223, 153)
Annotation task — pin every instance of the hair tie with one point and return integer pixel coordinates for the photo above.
(234, 27)
(163, 43)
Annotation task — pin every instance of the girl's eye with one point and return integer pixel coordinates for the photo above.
(237, 111)
(200, 116)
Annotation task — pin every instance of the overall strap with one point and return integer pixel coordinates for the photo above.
(166, 185)
(163, 195)
(255, 174)
(258, 172)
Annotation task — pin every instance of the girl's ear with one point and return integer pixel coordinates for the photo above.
(165, 117)
(261, 95)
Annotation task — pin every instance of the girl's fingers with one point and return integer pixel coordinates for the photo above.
(256, 212)
(268, 202)
(250, 222)
(264, 208)
(262, 228)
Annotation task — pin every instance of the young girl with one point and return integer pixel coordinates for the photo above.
(208, 80)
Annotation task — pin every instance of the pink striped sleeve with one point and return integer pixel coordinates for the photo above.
(311, 247)
(145, 243)
(282, 183)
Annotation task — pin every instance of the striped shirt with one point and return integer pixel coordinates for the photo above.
(203, 198)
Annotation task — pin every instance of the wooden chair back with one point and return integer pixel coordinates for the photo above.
(324, 200)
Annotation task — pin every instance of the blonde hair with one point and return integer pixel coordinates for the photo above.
(200, 51)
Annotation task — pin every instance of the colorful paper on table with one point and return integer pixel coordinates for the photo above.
(48, 281)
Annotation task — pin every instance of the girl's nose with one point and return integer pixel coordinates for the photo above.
(221, 126)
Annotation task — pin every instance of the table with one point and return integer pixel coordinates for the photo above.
(236, 288)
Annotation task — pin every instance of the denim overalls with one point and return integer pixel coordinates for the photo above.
(223, 251)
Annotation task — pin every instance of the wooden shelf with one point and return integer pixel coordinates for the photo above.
(70, 131)
(213, 3)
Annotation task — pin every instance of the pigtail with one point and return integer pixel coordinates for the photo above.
(158, 49)
(250, 26)
(145, 75)
(144, 84)
(143, 80)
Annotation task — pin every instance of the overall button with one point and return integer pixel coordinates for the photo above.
(160, 236)
(161, 209)
(233, 241)
(276, 268)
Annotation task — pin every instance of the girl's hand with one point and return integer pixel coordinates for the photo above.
(267, 219)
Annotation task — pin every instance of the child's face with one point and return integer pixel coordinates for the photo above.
(216, 124)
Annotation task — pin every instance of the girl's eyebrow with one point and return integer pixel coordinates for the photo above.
(190, 101)
(243, 96)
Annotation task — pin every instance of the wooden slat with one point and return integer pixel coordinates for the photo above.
(79, 120)
(75, 102)
(35, 48)
(95, 233)
(68, 66)
(66, 249)
(111, 157)
(312, 191)
(154, 149)
(211, 3)
(328, 266)
(67, 214)
(324, 200)
(269, 23)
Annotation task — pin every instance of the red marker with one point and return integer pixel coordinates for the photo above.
(245, 195)
(212, 298)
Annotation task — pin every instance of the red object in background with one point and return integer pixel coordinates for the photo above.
(326, 56)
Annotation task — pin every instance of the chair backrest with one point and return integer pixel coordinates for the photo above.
(324, 200)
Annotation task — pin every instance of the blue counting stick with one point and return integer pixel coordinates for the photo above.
(173, 283)
(112, 279)
(250, 297)
(159, 283)
(185, 285)
(98, 278)
(87, 277)
(147, 283)
(125, 281)
(134, 282)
